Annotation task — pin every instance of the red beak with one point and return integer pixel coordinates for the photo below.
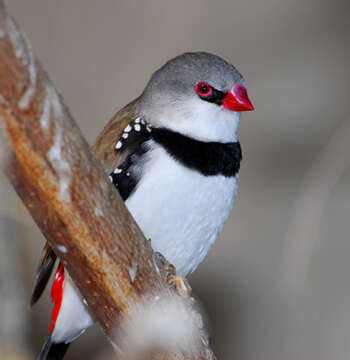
(237, 99)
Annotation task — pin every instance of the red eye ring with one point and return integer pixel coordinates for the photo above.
(203, 89)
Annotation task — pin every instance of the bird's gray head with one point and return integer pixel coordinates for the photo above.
(197, 94)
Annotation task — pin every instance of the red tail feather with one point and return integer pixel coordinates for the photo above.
(56, 294)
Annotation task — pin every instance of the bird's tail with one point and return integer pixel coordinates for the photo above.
(53, 351)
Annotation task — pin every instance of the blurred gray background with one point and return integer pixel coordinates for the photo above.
(276, 284)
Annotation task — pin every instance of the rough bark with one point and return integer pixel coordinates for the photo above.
(63, 185)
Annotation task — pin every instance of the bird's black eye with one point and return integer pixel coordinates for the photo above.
(203, 89)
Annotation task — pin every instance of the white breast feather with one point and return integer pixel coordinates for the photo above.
(179, 209)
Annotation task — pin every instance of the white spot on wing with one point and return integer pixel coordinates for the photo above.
(117, 171)
(119, 145)
(125, 135)
(137, 120)
(128, 128)
(137, 127)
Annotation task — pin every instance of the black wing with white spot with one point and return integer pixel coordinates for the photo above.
(133, 140)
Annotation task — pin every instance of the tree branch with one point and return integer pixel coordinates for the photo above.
(63, 185)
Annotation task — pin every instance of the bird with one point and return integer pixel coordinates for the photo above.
(173, 154)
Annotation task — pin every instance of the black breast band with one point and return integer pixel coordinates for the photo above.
(209, 158)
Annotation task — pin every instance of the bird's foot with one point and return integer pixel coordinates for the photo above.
(181, 284)
(178, 282)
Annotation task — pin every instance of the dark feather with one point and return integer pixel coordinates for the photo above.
(125, 177)
(53, 351)
(209, 158)
(45, 267)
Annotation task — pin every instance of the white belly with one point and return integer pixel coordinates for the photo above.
(181, 210)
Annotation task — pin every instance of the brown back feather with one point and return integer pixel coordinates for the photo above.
(104, 146)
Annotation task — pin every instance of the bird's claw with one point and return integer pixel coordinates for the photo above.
(178, 282)
(181, 284)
